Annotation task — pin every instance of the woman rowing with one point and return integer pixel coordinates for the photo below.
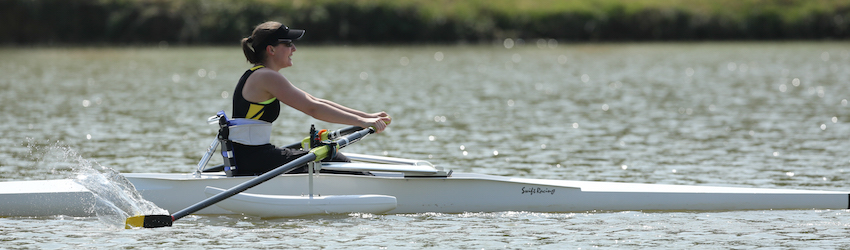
(261, 90)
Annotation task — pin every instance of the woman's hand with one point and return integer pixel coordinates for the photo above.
(379, 114)
(379, 123)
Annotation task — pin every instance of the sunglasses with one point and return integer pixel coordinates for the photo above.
(285, 42)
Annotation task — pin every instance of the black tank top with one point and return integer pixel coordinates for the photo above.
(266, 111)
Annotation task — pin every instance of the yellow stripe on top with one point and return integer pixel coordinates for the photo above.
(255, 111)
(269, 101)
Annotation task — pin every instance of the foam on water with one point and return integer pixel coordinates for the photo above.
(116, 198)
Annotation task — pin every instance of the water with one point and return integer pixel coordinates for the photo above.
(115, 198)
(770, 115)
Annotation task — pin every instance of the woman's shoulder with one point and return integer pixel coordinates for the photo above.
(267, 76)
(266, 73)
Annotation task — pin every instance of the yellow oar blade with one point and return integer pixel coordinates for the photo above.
(148, 221)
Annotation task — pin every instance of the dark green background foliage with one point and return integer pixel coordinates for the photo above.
(420, 21)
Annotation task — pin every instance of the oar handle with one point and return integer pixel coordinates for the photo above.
(332, 135)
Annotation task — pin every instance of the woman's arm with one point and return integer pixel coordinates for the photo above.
(278, 86)
(347, 109)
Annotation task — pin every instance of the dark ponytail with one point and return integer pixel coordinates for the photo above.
(254, 47)
(249, 51)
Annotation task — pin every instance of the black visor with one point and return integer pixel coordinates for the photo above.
(286, 33)
(282, 33)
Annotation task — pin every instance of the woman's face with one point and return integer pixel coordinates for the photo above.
(283, 55)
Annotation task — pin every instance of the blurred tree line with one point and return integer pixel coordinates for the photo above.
(38, 22)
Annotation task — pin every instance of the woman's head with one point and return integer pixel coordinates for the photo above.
(267, 34)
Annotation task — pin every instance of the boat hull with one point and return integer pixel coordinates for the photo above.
(458, 193)
(45, 198)
(485, 193)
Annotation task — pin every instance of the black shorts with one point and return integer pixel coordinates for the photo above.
(256, 160)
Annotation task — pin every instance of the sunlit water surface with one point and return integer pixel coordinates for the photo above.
(769, 115)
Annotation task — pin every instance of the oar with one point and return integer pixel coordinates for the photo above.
(317, 154)
(332, 135)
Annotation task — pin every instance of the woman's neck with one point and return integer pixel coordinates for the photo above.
(270, 66)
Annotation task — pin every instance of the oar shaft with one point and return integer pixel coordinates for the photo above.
(245, 186)
(345, 141)
(333, 135)
(353, 137)
(316, 154)
(344, 131)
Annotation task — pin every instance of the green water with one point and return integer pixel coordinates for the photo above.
(729, 114)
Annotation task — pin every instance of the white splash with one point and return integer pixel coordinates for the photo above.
(116, 198)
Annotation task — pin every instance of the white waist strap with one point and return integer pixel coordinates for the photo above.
(250, 132)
